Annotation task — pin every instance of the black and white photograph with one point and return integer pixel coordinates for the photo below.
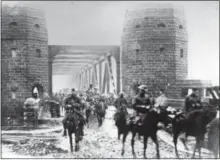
(110, 79)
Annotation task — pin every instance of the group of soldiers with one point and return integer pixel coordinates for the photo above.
(75, 103)
(143, 100)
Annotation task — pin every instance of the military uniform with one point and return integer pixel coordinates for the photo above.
(73, 104)
(120, 104)
(119, 101)
(140, 105)
(192, 102)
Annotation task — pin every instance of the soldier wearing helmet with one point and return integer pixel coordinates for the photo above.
(141, 103)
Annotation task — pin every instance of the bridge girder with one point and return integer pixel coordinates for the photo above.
(65, 60)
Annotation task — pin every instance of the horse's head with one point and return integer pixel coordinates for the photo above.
(210, 113)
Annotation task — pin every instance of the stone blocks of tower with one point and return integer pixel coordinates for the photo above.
(154, 46)
(24, 53)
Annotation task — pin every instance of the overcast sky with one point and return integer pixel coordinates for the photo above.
(101, 23)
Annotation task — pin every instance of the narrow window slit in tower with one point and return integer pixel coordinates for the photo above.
(180, 27)
(161, 25)
(38, 51)
(181, 53)
(137, 54)
(13, 24)
(37, 26)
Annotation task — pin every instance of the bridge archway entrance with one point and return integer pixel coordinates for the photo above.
(85, 63)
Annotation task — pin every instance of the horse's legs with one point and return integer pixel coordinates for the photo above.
(194, 151)
(118, 133)
(154, 138)
(64, 128)
(200, 141)
(199, 148)
(81, 127)
(71, 141)
(196, 146)
(87, 119)
(98, 118)
(123, 142)
(77, 139)
(184, 140)
(132, 143)
(175, 136)
(145, 145)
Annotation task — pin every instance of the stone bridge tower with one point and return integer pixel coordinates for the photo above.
(154, 46)
(24, 54)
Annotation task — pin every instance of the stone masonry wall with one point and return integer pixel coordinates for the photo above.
(23, 33)
(151, 44)
(174, 91)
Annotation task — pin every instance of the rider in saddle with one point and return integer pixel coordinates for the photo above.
(193, 101)
(120, 104)
(120, 101)
(73, 104)
(140, 102)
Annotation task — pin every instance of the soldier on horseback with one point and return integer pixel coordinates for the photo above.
(140, 103)
(120, 101)
(193, 101)
(73, 105)
(120, 104)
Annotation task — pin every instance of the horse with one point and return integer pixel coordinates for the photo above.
(194, 124)
(74, 126)
(120, 118)
(100, 111)
(148, 129)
